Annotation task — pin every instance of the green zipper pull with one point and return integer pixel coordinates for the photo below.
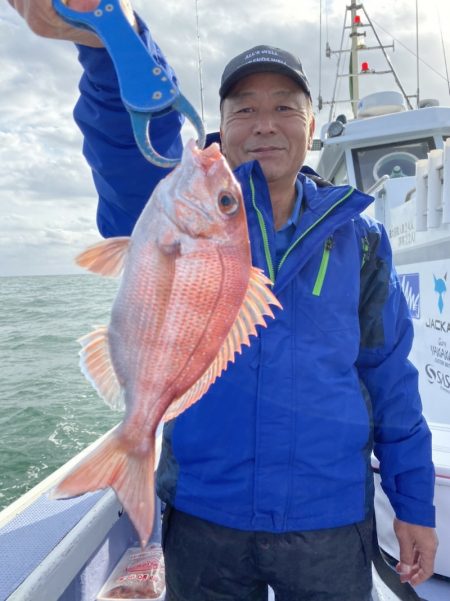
(323, 266)
(365, 250)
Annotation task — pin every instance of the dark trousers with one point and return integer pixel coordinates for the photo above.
(208, 562)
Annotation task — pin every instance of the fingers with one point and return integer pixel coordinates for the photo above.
(414, 574)
(418, 545)
(42, 19)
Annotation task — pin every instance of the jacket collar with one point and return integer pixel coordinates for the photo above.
(320, 201)
(325, 209)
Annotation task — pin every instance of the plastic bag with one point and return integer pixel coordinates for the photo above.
(138, 575)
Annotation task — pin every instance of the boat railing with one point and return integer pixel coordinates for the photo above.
(433, 189)
(377, 185)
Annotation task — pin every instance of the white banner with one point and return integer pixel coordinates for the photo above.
(426, 289)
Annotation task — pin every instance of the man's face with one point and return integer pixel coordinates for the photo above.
(267, 117)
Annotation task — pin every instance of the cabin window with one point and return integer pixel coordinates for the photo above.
(340, 176)
(396, 160)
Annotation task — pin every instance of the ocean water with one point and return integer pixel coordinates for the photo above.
(48, 410)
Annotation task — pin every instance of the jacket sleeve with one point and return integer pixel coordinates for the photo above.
(124, 179)
(402, 439)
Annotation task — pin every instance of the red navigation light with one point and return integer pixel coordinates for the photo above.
(365, 67)
(357, 20)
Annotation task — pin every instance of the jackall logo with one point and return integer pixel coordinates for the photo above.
(438, 325)
(411, 289)
(440, 287)
(435, 376)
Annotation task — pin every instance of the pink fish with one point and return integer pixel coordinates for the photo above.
(188, 301)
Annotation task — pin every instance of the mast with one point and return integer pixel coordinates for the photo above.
(357, 34)
(354, 64)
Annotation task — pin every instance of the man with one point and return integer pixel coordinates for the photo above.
(267, 479)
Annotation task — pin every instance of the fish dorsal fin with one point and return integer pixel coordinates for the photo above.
(96, 365)
(106, 257)
(256, 304)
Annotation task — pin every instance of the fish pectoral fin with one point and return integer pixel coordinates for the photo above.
(97, 367)
(130, 474)
(106, 257)
(255, 306)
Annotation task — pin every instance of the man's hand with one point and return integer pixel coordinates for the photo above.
(418, 545)
(44, 21)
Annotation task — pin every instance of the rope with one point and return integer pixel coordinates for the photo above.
(409, 50)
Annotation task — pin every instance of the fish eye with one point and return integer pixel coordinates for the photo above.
(228, 204)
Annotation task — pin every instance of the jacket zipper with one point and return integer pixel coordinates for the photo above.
(365, 251)
(263, 228)
(323, 267)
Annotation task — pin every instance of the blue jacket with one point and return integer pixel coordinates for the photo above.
(282, 441)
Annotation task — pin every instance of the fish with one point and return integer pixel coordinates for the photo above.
(188, 301)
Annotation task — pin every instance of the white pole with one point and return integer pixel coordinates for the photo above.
(434, 199)
(417, 51)
(354, 77)
(421, 195)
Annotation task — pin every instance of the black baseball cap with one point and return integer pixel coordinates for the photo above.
(260, 59)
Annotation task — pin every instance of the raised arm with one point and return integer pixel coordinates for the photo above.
(123, 177)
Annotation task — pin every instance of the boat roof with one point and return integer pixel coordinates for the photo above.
(390, 127)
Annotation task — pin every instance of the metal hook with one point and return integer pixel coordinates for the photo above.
(146, 89)
(141, 123)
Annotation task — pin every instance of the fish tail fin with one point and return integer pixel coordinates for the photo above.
(131, 475)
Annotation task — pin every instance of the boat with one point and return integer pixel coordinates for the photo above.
(401, 156)
(65, 550)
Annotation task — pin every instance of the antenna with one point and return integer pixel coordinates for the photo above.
(319, 100)
(199, 60)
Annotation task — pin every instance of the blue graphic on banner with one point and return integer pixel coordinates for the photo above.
(440, 287)
(411, 289)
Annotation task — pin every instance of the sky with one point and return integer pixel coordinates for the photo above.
(47, 198)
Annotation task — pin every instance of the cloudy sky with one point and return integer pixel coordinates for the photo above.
(47, 200)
